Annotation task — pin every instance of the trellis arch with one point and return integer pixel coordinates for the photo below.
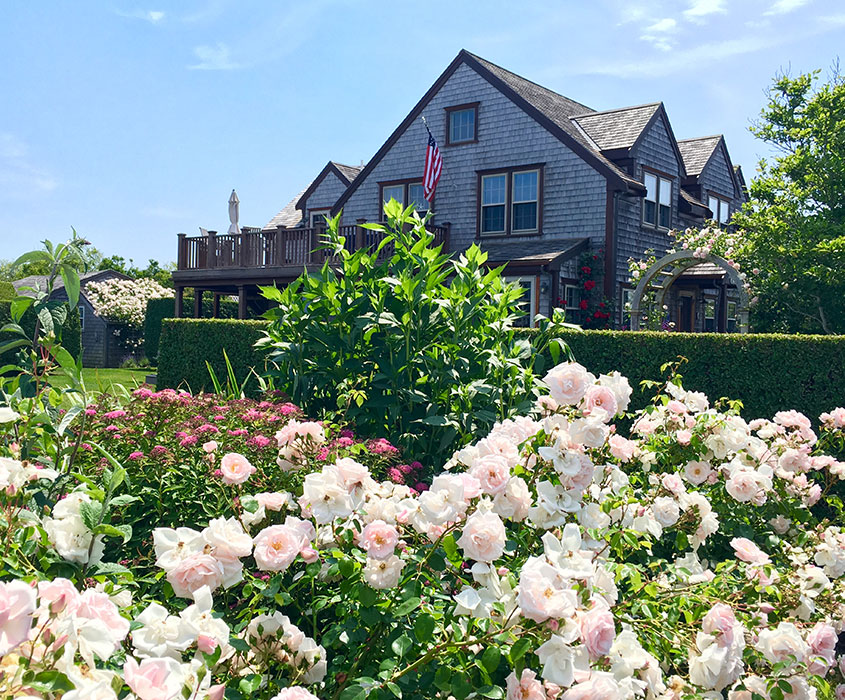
(669, 268)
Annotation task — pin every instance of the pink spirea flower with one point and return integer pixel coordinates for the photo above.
(158, 451)
(395, 475)
(136, 455)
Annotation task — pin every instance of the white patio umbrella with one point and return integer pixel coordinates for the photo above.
(234, 204)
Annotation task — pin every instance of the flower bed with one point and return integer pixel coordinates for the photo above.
(555, 557)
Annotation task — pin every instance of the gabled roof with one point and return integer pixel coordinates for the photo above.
(616, 129)
(548, 108)
(697, 152)
(345, 173)
(350, 172)
(691, 205)
(289, 216)
(40, 281)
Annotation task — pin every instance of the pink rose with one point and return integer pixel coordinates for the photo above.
(601, 398)
(492, 472)
(351, 473)
(379, 539)
(746, 550)
(483, 537)
(96, 605)
(210, 446)
(272, 500)
(235, 468)
(683, 437)
(822, 640)
(543, 594)
(278, 545)
(526, 687)
(295, 692)
(568, 383)
(154, 679)
(600, 686)
(743, 486)
(720, 621)
(58, 594)
(597, 631)
(622, 448)
(17, 604)
(673, 484)
(194, 572)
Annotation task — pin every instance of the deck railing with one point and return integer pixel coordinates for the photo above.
(279, 248)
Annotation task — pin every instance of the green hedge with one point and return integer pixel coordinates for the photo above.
(71, 334)
(7, 291)
(160, 309)
(186, 344)
(768, 373)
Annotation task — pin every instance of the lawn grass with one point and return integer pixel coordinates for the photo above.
(102, 380)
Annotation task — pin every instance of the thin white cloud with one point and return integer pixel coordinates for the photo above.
(702, 8)
(151, 16)
(782, 7)
(19, 178)
(213, 58)
(659, 34)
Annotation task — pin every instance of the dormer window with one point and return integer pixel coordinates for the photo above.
(406, 192)
(657, 204)
(462, 124)
(721, 209)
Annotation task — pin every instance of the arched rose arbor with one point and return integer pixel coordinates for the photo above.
(668, 269)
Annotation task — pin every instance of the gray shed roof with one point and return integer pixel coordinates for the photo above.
(537, 252)
(696, 152)
(616, 128)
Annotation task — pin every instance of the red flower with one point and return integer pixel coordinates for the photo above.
(597, 314)
(583, 304)
(601, 304)
(586, 270)
(589, 284)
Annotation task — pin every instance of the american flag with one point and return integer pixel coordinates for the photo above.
(433, 166)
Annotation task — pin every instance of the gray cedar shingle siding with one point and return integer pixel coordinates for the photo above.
(718, 178)
(326, 194)
(574, 201)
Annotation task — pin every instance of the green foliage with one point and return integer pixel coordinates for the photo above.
(186, 345)
(765, 372)
(71, 333)
(7, 291)
(160, 309)
(795, 220)
(154, 269)
(403, 338)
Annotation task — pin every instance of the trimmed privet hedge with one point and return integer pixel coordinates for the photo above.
(71, 334)
(768, 373)
(160, 309)
(186, 344)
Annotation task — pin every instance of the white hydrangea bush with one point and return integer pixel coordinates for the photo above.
(693, 555)
(125, 301)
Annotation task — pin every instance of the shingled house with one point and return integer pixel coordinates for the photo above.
(532, 176)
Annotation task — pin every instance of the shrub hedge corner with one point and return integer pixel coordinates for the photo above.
(187, 343)
(160, 309)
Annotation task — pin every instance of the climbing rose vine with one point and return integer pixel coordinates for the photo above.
(125, 301)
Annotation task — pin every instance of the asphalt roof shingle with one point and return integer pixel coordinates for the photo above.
(616, 128)
(696, 152)
(350, 172)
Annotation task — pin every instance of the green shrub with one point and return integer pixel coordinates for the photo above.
(7, 291)
(765, 372)
(160, 309)
(187, 343)
(403, 339)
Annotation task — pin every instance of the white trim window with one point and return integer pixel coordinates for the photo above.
(525, 206)
(657, 203)
(529, 305)
(396, 192)
(731, 317)
(494, 196)
(81, 310)
(416, 197)
(318, 217)
(571, 297)
(709, 315)
(721, 209)
(462, 125)
(627, 299)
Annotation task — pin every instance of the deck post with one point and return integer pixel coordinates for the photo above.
(360, 234)
(447, 232)
(211, 250)
(215, 305)
(181, 252)
(178, 309)
(241, 301)
(198, 302)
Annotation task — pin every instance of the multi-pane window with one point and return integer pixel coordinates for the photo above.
(318, 217)
(462, 124)
(721, 209)
(528, 302)
(406, 192)
(510, 202)
(571, 295)
(627, 302)
(731, 317)
(657, 204)
(709, 315)
(81, 317)
(494, 190)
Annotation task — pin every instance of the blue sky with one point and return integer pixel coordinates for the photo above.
(133, 121)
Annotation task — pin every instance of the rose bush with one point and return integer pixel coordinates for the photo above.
(694, 555)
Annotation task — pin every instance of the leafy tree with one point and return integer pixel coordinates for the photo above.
(154, 269)
(794, 223)
(82, 256)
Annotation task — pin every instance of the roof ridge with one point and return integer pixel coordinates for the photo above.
(702, 138)
(527, 80)
(617, 109)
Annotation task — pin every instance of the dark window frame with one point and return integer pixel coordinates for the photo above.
(723, 200)
(660, 175)
(509, 172)
(405, 183)
(458, 108)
